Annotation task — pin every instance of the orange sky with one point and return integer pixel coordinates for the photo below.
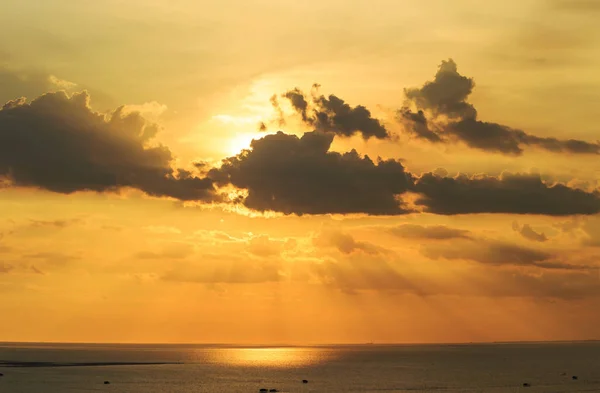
(136, 207)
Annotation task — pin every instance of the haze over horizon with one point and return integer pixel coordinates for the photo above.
(267, 172)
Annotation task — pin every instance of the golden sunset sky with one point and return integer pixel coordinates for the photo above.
(174, 176)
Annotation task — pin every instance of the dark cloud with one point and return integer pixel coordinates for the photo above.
(434, 232)
(417, 124)
(299, 103)
(446, 95)
(508, 193)
(488, 252)
(5, 268)
(528, 233)
(443, 114)
(332, 114)
(294, 175)
(59, 144)
(498, 253)
(499, 138)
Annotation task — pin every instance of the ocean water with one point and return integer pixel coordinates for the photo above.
(494, 368)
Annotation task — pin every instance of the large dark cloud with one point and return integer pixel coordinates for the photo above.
(333, 114)
(439, 111)
(292, 175)
(59, 144)
(508, 193)
(288, 174)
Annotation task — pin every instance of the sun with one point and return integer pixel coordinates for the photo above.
(241, 141)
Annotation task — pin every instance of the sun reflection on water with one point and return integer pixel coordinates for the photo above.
(272, 357)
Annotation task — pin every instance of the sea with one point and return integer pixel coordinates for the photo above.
(497, 368)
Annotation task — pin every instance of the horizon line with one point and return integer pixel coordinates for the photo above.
(290, 345)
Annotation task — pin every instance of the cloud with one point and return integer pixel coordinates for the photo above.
(215, 269)
(417, 124)
(583, 6)
(333, 114)
(493, 252)
(354, 273)
(171, 251)
(61, 83)
(446, 95)
(55, 223)
(434, 232)
(5, 268)
(53, 259)
(292, 175)
(264, 247)
(162, 229)
(346, 244)
(555, 284)
(36, 270)
(360, 272)
(528, 233)
(19, 83)
(59, 144)
(488, 252)
(443, 114)
(507, 193)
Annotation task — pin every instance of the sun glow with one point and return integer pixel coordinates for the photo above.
(241, 141)
(273, 357)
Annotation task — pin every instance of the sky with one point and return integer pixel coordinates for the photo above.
(260, 172)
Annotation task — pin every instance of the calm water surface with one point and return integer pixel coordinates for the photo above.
(371, 368)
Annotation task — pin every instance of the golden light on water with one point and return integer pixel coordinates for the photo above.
(272, 357)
